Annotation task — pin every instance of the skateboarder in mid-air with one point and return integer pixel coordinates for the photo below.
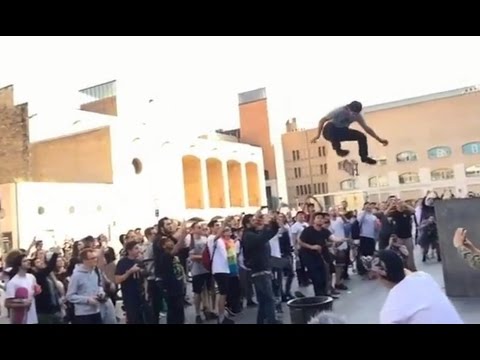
(335, 127)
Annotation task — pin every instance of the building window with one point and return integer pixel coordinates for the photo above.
(305, 189)
(439, 152)
(297, 190)
(315, 188)
(326, 188)
(409, 178)
(349, 184)
(137, 166)
(442, 174)
(41, 210)
(406, 156)
(266, 174)
(309, 189)
(473, 171)
(298, 173)
(301, 190)
(321, 151)
(325, 168)
(298, 154)
(472, 148)
(294, 155)
(378, 181)
(322, 169)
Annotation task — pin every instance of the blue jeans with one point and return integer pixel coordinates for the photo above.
(265, 298)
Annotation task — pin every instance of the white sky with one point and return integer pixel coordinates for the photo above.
(196, 80)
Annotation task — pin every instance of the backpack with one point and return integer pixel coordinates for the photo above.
(207, 259)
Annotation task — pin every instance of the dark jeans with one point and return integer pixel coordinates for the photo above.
(336, 135)
(366, 248)
(265, 298)
(301, 271)
(88, 319)
(50, 318)
(155, 298)
(233, 294)
(318, 275)
(246, 285)
(288, 272)
(175, 309)
(134, 312)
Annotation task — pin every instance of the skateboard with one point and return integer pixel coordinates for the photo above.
(349, 166)
(19, 315)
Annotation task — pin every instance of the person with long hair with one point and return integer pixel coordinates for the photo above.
(20, 292)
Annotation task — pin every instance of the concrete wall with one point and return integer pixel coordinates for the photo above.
(460, 279)
(80, 158)
(14, 146)
(69, 210)
(9, 204)
(107, 106)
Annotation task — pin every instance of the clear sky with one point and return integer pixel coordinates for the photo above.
(195, 80)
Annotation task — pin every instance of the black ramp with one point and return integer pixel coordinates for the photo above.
(460, 279)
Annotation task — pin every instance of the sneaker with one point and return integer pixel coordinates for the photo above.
(369, 161)
(279, 309)
(334, 294)
(298, 294)
(198, 319)
(210, 315)
(341, 287)
(342, 152)
(227, 321)
(232, 312)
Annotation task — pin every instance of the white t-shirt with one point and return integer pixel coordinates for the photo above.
(418, 299)
(220, 260)
(296, 231)
(275, 247)
(29, 283)
(337, 228)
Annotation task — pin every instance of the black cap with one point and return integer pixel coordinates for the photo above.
(387, 263)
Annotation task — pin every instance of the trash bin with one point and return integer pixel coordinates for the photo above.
(303, 309)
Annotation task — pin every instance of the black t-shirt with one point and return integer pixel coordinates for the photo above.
(171, 273)
(311, 236)
(132, 288)
(402, 224)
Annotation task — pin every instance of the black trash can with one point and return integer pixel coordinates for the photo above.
(303, 309)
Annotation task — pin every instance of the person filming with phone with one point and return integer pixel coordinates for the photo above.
(129, 275)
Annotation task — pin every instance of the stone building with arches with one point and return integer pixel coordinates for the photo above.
(434, 144)
(96, 170)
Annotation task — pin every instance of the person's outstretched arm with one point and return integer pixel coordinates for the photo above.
(466, 249)
(321, 124)
(361, 121)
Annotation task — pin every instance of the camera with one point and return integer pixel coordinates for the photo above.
(102, 298)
